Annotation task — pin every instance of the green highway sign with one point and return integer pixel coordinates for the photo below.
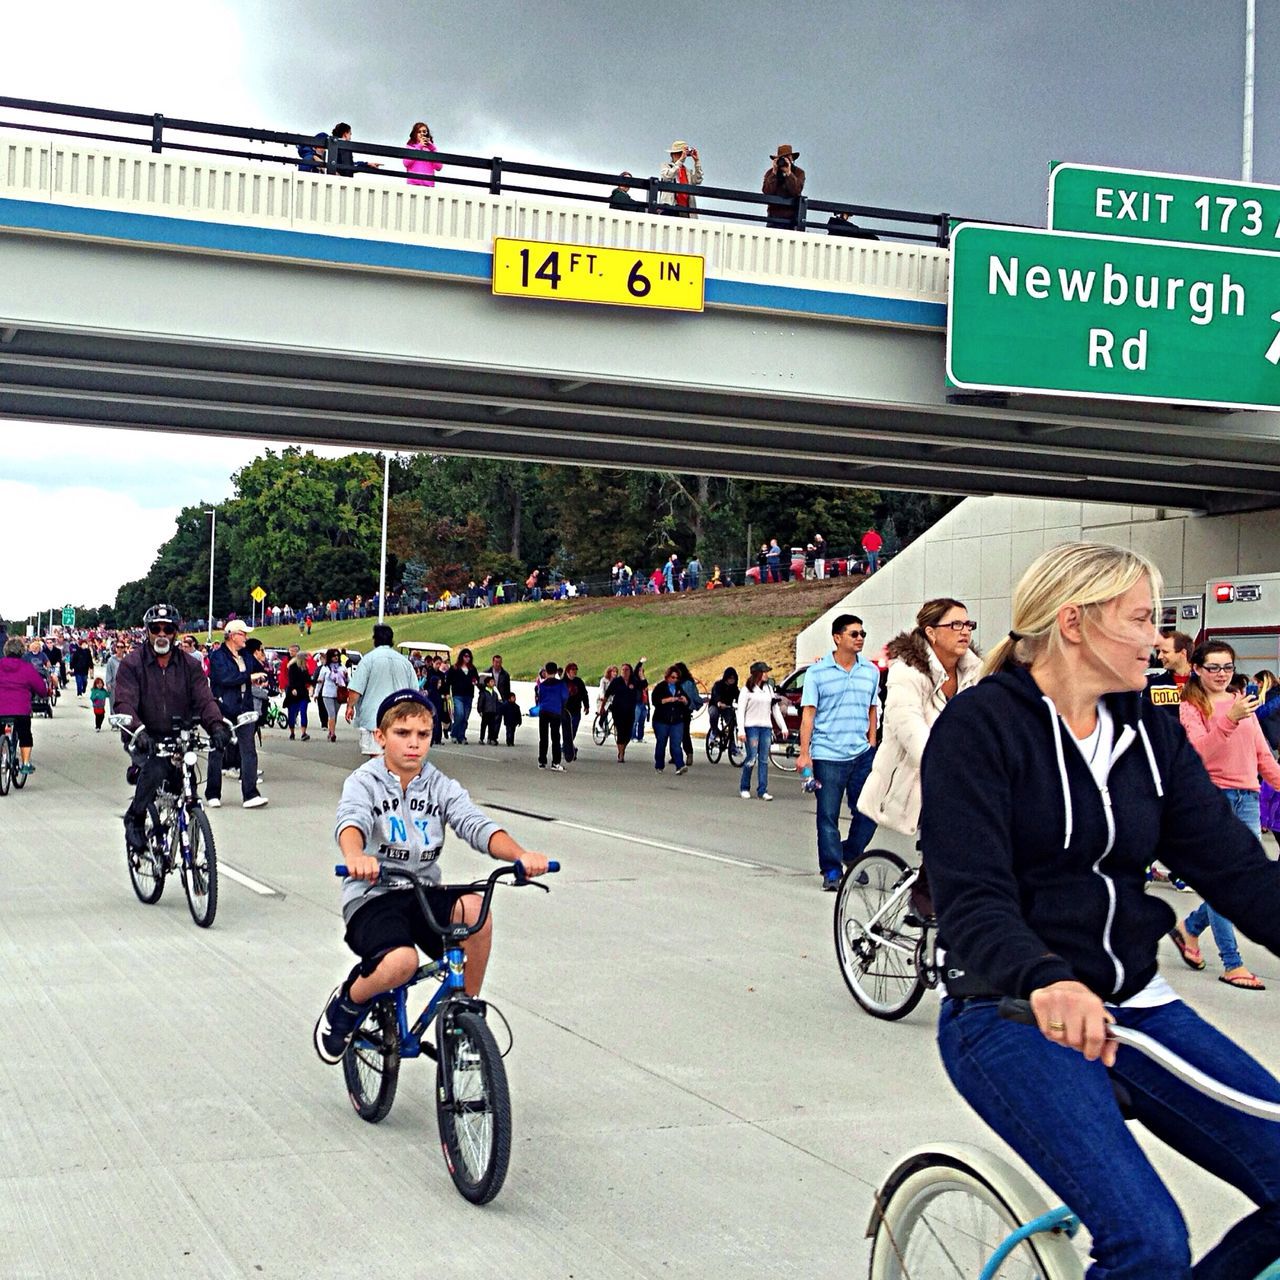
(68, 615)
(1164, 206)
(1060, 313)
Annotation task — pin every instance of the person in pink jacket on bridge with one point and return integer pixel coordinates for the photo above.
(421, 171)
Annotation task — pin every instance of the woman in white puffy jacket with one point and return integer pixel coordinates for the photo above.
(928, 666)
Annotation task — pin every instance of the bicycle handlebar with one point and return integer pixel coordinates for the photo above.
(1020, 1011)
(455, 932)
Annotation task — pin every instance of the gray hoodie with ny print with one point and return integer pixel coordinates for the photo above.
(404, 828)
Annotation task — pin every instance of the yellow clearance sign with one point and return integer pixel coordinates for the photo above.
(586, 273)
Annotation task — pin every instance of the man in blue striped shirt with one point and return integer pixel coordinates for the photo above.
(837, 741)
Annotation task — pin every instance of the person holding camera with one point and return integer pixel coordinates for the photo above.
(681, 204)
(783, 178)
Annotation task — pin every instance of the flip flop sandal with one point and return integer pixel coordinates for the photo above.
(1191, 955)
(1244, 982)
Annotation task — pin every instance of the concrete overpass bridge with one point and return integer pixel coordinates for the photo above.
(192, 292)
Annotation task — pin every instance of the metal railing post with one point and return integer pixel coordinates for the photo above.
(802, 211)
(495, 176)
(157, 133)
(330, 154)
(651, 201)
(944, 230)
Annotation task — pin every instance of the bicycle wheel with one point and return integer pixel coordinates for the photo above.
(371, 1063)
(599, 731)
(6, 763)
(475, 1128)
(147, 868)
(15, 765)
(715, 747)
(945, 1220)
(785, 755)
(737, 750)
(199, 863)
(875, 949)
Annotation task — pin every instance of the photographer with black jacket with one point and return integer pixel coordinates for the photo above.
(783, 178)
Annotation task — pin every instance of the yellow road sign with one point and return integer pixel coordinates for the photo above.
(587, 273)
(258, 594)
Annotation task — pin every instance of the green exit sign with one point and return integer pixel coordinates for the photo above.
(1065, 314)
(1163, 206)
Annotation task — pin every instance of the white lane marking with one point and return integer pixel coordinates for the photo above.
(248, 881)
(659, 844)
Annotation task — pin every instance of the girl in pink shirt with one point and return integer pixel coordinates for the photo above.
(1224, 729)
(421, 171)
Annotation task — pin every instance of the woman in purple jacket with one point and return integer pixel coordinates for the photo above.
(19, 683)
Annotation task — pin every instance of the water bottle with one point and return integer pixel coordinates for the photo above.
(809, 782)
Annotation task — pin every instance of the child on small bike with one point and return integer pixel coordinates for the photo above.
(393, 813)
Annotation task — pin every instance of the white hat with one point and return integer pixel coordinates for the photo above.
(237, 624)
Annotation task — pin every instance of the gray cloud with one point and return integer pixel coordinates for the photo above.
(929, 104)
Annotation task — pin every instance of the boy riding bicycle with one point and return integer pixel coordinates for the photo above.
(393, 812)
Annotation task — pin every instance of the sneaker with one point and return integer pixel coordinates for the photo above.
(231, 773)
(541, 765)
(684, 768)
(557, 768)
(27, 768)
(306, 737)
(135, 838)
(746, 795)
(213, 803)
(766, 796)
(831, 881)
(254, 802)
(336, 1025)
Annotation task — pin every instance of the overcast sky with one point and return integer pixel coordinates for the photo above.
(954, 105)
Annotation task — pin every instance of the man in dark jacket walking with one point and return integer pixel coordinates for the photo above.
(575, 707)
(231, 675)
(552, 695)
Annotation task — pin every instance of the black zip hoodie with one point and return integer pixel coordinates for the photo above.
(1038, 875)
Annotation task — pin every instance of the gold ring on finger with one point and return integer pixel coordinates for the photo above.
(1057, 1026)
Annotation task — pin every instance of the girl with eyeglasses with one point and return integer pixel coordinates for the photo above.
(928, 666)
(1223, 727)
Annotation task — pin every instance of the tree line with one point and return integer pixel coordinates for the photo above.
(307, 528)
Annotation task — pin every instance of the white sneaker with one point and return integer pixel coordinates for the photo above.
(746, 795)
(557, 768)
(215, 803)
(766, 796)
(256, 802)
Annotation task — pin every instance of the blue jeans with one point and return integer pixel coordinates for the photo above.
(757, 754)
(672, 734)
(461, 714)
(841, 780)
(298, 711)
(1244, 805)
(1058, 1112)
(642, 714)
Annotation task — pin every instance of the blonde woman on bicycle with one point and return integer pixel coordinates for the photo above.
(1047, 790)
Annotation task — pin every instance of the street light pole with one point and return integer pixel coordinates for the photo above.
(1250, 30)
(213, 533)
(382, 573)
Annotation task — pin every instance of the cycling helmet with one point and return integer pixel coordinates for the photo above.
(160, 613)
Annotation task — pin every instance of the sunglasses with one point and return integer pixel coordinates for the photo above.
(856, 634)
(162, 629)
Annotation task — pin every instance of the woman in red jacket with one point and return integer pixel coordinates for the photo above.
(1223, 727)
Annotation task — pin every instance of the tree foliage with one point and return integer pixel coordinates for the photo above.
(307, 528)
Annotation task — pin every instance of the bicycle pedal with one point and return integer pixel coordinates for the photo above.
(429, 1050)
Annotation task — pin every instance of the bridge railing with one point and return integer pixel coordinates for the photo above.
(491, 174)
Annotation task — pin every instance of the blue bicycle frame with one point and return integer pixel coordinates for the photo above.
(1059, 1219)
(411, 1036)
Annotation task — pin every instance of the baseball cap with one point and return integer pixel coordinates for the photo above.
(236, 624)
(403, 695)
(760, 666)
